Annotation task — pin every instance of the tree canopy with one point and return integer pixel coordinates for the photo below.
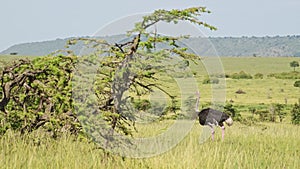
(131, 69)
(294, 64)
(50, 92)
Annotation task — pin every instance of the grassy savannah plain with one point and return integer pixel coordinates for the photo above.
(260, 145)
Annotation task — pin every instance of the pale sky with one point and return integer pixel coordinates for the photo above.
(39, 20)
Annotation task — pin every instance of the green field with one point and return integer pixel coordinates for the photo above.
(252, 65)
(261, 145)
(266, 90)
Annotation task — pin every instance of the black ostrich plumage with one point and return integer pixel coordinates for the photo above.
(211, 116)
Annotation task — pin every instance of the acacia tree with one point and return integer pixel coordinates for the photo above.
(135, 66)
(37, 93)
(294, 64)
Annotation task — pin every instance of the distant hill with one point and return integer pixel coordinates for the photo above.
(212, 46)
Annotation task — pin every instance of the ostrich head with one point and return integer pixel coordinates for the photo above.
(229, 121)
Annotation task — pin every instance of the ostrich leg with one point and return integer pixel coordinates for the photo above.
(212, 132)
(223, 132)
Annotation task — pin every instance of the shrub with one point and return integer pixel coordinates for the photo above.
(41, 98)
(279, 111)
(297, 83)
(295, 112)
(252, 110)
(208, 80)
(142, 104)
(241, 75)
(264, 115)
(231, 110)
(285, 75)
(258, 76)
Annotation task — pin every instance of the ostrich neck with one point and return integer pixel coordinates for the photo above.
(197, 103)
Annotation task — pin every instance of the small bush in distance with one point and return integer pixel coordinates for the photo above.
(258, 76)
(285, 75)
(297, 83)
(231, 110)
(241, 75)
(264, 115)
(208, 80)
(294, 64)
(295, 112)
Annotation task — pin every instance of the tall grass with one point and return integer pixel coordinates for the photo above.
(266, 145)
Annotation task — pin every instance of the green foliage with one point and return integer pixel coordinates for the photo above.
(294, 64)
(295, 112)
(241, 75)
(37, 94)
(271, 114)
(173, 107)
(172, 16)
(286, 75)
(264, 115)
(279, 111)
(258, 76)
(134, 68)
(297, 83)
(142, 104)
(232, 111)
(252, 109)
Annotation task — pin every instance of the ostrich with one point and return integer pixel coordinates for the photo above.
(212, 118)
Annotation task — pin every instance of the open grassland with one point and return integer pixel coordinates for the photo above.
(267, 90)
(253, 65)
(261, 146)
(262, 91)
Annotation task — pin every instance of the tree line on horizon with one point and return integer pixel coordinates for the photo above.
(225, 46)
